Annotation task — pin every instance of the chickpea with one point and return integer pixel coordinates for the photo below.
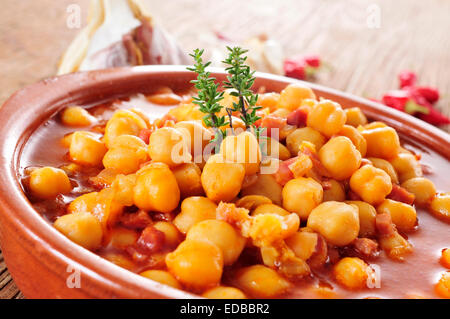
(222, 292)
(168, 98)
(303, 244)
(261, 282)
(102, 204)
(123, 122)
(266, 229)
(188, 177)
(371, 184)
(367, 214)
(269, 166)
(283, 113)
(129, 141)
(194, 210)
(162, 277)
(221, 234)
(285, 130)
(337, 222)
(445, 258)
(156, 188)
(108, 208)
(275, 149)
(238, 125)
(294, 140)
(250, 202)
(183, 111)
(199, 136)
(86, 149)
(422, 188)
(395, 246)
(270, 209)
(123, 186)
(243, 149)
(222, 180)
(121, 237)
(142, 115)
(171, 233)
(407, 166)
(120, 260)
(351, 272)
(382, 142)
(442, 288)
(83, 204)
(82, 228)
(293, 95)
(340, 157)
(385, 166)
(334, 193)
(66, 140)
(267, 186)
(356, 137)
(440, 206)
(228, 100)
(355, 117)
(269, 100)
(47, 182)
(169, 146)
(327, 117)
(187, 112)
(126, 155)
(373, 125)
(196, 264)
(404, 216)
(308, 104)
(301, 195)
(123, 160)
(77, 116)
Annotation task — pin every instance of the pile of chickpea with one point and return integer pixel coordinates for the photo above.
(333, 188)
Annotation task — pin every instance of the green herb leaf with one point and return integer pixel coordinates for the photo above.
(241, 79)
(208, 96)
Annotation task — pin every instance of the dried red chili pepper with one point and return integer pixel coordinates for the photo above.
(434, 117)
(396, 99)
(407, 78)
(295, 69)
(302, 68)
(429, 93)
(405, 101)
(313, 60)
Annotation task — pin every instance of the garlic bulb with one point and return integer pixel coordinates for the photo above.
(120, 33)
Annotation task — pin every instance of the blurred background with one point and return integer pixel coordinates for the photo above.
(364, 43)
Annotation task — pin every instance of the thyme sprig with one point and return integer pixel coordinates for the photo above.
(208, 97)
(241, 80)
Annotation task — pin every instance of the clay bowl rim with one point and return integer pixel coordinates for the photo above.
(30, 106)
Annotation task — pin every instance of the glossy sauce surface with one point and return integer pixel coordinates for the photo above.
(415, 276)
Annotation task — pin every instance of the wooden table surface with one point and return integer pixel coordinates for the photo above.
(413, 34)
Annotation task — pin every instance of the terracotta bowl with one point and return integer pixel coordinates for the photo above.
(38, 257)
